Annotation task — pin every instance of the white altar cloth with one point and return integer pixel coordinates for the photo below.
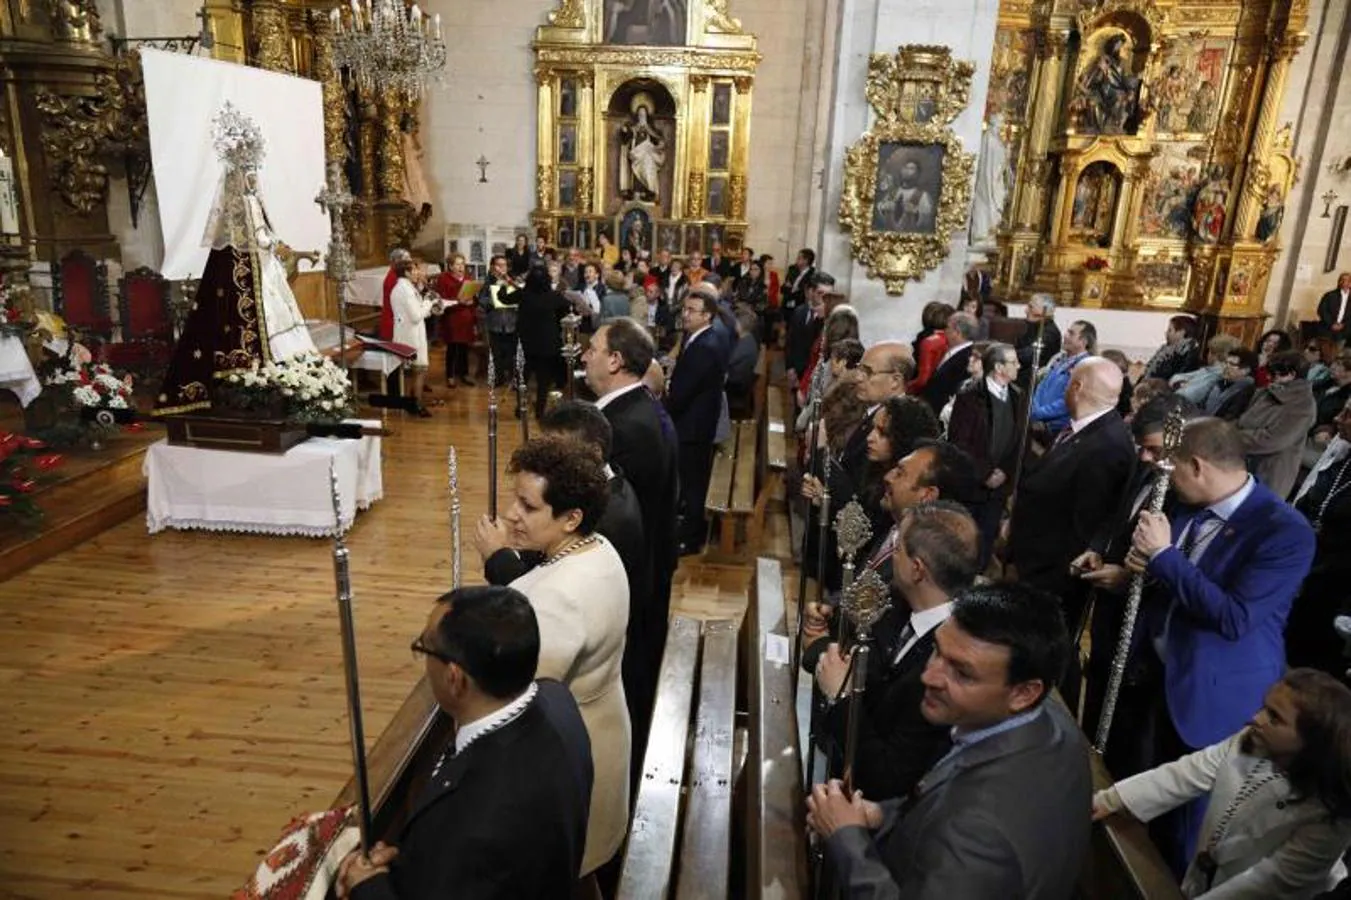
(261, 493)
(16, 371)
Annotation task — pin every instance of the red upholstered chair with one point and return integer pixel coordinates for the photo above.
(80, 294)
(147, 325)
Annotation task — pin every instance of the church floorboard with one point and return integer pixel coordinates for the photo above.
(171, 702)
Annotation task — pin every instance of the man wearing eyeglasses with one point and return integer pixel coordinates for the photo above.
(504, 812)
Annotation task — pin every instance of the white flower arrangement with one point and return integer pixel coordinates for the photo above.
(313, 386)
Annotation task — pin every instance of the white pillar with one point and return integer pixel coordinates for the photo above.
(967, 27)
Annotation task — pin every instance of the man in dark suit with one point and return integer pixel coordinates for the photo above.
(1067, 493)
(797, 279)
(934, 559)
(1334, 309)
(1001, 815)
(618, 357)
(985, 423)
(951, 371)
(621, 525)
(1231, 561)
(694, 399)
(504, 812)
(1040, 308)
(804, 327)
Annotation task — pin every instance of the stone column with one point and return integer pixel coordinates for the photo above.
(967, 27)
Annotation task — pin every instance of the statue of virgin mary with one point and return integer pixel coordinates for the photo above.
(244, 312)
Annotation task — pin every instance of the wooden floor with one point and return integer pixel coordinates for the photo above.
(169, 703)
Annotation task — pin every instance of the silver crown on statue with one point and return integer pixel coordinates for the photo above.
(238, 139)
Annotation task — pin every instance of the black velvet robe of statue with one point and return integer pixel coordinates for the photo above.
(224, 331)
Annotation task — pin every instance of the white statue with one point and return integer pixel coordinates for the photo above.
(644, 154)
(992, 187)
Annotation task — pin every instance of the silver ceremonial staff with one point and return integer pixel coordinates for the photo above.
(456, 559)
(342, 574)
(1172, 439)
(492, 436)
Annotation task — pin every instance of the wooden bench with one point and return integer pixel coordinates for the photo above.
(685, 796)
(730, 502)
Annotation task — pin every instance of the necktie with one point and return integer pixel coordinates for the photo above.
(1194, 532)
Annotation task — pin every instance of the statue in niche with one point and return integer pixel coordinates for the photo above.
(1273, 213)
(1209, 212)
(992, 186)
(642, 154)
(1094, 204)
(1109, 93)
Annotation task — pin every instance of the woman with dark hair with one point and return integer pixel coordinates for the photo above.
(931, 348)
(1279, 813)
(538, 328)
(1273, 342)
(1180, 351)
(518, 258)
(580, 594)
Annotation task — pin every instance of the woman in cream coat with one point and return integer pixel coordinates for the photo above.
(580, 595)
(1279, 817)
(410, 312)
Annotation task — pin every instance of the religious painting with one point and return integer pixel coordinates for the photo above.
(717, 196)
(1170, 189)
(565, 234)
(718, 150)
(1107, 92)
(652, 23)
(909, 183)
(1211, 207)
(668, 238)
(1187, 94)
(635, 231)
(567, 98)
(1093, 213)
(722, 104)
(584, 234)
(567, 188)
(567, 144)
(694, 239)
(1010, 74)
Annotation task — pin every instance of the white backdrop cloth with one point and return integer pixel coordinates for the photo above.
(261, 493)
(16, 371)
(182, 95)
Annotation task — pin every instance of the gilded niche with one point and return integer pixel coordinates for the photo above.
(907, 181)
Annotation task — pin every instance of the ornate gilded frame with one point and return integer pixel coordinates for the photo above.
(915, 95)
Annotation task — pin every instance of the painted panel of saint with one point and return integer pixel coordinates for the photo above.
(659, 23)
(718, 150)
(909, 185)
(717, 196)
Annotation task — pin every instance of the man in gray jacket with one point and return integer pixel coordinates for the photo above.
(1002, 815)
(1277, 421)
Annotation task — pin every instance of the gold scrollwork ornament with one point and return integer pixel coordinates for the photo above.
(916, 95)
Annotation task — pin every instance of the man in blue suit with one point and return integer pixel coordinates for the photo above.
(1232, 561)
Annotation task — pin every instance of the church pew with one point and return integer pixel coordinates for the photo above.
(773, 829)
(684, 796)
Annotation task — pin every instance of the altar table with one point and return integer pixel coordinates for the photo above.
(261, 493)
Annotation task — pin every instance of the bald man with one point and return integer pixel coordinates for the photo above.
(1070, 490)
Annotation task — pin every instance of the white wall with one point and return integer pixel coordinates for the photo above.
(881, 26)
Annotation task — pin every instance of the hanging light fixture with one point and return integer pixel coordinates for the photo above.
(386, 45)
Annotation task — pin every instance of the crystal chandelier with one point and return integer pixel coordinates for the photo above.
(385, 45)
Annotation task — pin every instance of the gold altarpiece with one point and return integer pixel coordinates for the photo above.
(643, 124)
(73, 118)
(1147, 169)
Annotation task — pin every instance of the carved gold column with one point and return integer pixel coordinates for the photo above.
(545, 80)
(590, 157)
(741, 149)
(1279, 56)
(326, 71)
(271, 37)
(697, 127)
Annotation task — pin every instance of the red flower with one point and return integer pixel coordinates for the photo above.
(48, 462)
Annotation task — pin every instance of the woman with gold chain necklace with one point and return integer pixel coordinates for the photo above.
(580, 595)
